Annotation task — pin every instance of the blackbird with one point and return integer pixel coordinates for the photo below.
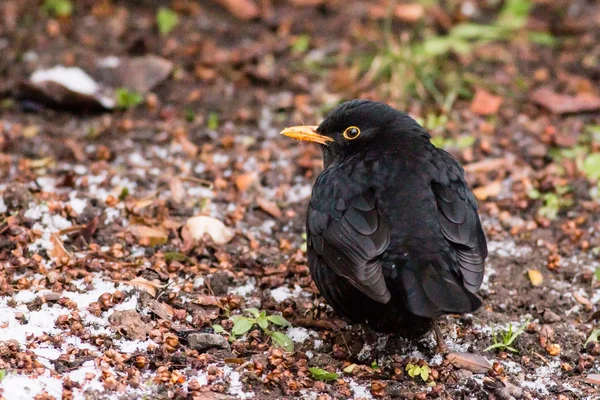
(393, 235)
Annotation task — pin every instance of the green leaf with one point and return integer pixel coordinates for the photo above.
(124, 193)
(262, 322)
(253, 311)
(166, 20)
(212, 122)
(465, 142)
(591, 166)
(282, 340)
(278, 320)
(2, 374)
(301, 44)
(593, 336)
(597, 273)
(58, 8)
(127, 98)
(174, 256)
(218, 328)
(322, 375)
(241, 326)
(425, 372)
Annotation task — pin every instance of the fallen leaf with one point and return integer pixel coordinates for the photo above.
(130, 324)
(149, 236)
(150, 70)
(471, 362)
(535, 276)
(487, 191)
(163, 310)
(197, 226)
(409, 12)
(177, 191)
(563, 103)
(243, 182)
(581, 299)
(269, 207)
(241, 9)
(151, 287)
(58, 252)
(593, 379)
(485, 103)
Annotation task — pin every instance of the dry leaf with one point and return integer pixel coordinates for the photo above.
(58, 252)
(487, 191)
(241, 9)
(581, 299)
(244, 181)
(593, 379)
(163, 310)
(177, 191)
(149, 236)
(130, 324)
(471, 362)
(197, 226)
(563, 103)
(485, 103)
(409, 12)
(151, 287)
(269, 207)
(535, 276)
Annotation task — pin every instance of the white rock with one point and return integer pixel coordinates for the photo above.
(199, 225)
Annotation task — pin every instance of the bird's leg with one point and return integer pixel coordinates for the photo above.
(439, 338)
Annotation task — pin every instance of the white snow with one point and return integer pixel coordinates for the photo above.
(283, 293)
(360, 391)
(245, 290)
(3, 207)
(23, 387)
(298, 334)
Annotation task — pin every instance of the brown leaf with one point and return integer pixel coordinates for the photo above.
(241, 9)
(487, 191)
(206, 300)
(151, 287)
(581, 299)
(162, 310)
(535, 276)
(150, 70)
(243, 182)
(58, 252)
(485, 103)
(563, 103)
(593, 379)
(177, 191)
(149, 236)
(130, 324)
(269, 207)
(325, 324)
(471, 362)
(409, 12)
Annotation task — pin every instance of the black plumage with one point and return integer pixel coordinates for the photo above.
(394, 238)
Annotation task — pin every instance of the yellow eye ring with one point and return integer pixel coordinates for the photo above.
(351, 133)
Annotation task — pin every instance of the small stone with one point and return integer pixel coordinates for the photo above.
(551, 317)
(206, 341)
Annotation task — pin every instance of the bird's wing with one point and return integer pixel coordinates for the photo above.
(459, 221)
(348, 233)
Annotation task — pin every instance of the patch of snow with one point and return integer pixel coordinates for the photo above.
(299, 334)
(3, 207)
(244, 291)
(299, 192)
(78, 205)
(283, 293)
(23, 387)
(131, 346)
(236, 388)
(24, 296)
(508, 248)
(360, 391)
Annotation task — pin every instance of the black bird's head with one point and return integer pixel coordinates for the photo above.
(357, 126)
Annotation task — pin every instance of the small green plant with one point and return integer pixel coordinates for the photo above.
(553, 203)
(304, 245)
(212, 122)
(591, 166)
(322, 375)
(2, 374)
(593, 336)
(415, 370)
(507, 337)
(127, 98)
(243, 324)
(301, 44)
(58, 8)
(460, 143)
(166, 20)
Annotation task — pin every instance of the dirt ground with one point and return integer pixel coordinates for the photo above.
(109, 290)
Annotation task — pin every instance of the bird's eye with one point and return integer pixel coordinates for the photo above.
(351, 133)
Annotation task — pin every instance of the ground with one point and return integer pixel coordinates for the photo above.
(110, 290)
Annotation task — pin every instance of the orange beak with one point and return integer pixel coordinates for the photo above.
(306, 133)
